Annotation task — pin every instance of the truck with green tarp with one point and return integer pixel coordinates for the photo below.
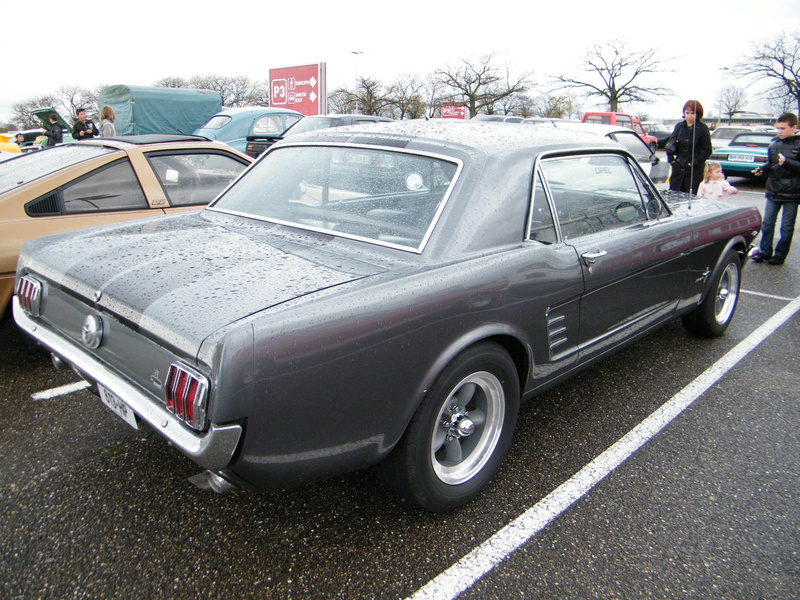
(140, 109)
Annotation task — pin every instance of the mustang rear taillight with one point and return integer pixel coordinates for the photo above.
(29, 295)
(187, 394)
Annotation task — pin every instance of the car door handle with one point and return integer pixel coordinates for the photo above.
(590, 257)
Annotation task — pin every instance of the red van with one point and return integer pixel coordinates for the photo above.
(622, 120)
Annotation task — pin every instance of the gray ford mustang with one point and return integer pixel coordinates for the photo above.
(380, 294)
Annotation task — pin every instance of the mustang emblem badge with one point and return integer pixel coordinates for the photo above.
(92, 331)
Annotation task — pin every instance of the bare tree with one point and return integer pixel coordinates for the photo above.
(777, 105)
(617, 74)
(371, 97)
(776, 61)
(731, 100)
(172, 82)
(341, 101)
(72, 97)
(368, 98)
(406, 94)
(520, 105)
(564, 106)
(480, 85)
(235, 91)
(433, 95)
(259, 94)
(22, 115)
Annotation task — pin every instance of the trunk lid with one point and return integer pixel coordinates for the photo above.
(181, 278)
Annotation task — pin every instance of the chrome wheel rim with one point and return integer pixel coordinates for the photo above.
(727, 292)
(468, 428)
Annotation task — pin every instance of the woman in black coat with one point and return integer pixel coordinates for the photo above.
(692, 148)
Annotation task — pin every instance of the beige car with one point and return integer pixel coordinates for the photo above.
(95, 182)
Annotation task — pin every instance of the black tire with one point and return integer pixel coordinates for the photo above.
(461, 431)
(712, 317)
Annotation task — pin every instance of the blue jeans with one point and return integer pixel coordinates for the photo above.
(787, 228)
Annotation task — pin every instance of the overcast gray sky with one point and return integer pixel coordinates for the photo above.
(138, 43)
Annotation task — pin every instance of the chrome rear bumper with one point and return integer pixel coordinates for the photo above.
(211, 450)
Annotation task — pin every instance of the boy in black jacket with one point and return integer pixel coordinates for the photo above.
(783, 190)
(54, 134)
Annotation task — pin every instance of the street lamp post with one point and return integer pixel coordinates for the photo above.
(721, 94)
(356, 53)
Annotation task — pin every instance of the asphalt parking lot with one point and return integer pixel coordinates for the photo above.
(705, 507)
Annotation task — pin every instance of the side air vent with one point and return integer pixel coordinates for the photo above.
(557, 331)
(46, 205)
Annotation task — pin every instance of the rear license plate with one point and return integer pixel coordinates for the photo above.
(741, 158)
(122, 410)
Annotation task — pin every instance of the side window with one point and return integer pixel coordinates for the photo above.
(194, 178)
(113, 188)
(624, 121)
(593, 193)
(268, 125)
(542, 229)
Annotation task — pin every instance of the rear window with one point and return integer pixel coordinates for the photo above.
(371, 194)
(35, 165)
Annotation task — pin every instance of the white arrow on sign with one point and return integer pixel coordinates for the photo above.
(313, 97)
(313, 81)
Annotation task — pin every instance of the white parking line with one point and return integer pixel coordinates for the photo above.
(60, 391)
(472, 567)
(763, 295)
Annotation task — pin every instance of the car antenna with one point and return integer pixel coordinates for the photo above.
(691, 167)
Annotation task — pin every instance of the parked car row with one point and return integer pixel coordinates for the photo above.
(256, 145)
(235, 126)
(404, 284)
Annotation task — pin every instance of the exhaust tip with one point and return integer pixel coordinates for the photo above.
(57, 362)
(210, 481)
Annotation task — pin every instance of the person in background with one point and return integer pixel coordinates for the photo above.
(83, 129)
(691, 148)
(19, 139)
(107, 117)
(783, 190)
(54, 133)
(714, 185)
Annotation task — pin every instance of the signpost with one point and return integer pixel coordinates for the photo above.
(454, 111)
(302, 88)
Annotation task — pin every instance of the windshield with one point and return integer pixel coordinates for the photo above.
(384, 196)
(311, 124)
(34, 165)
(216, 122)
(727, 133)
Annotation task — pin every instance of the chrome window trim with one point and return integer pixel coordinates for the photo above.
(633, 165)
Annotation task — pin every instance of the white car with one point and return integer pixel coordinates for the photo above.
(645, 155)
(723, 134)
